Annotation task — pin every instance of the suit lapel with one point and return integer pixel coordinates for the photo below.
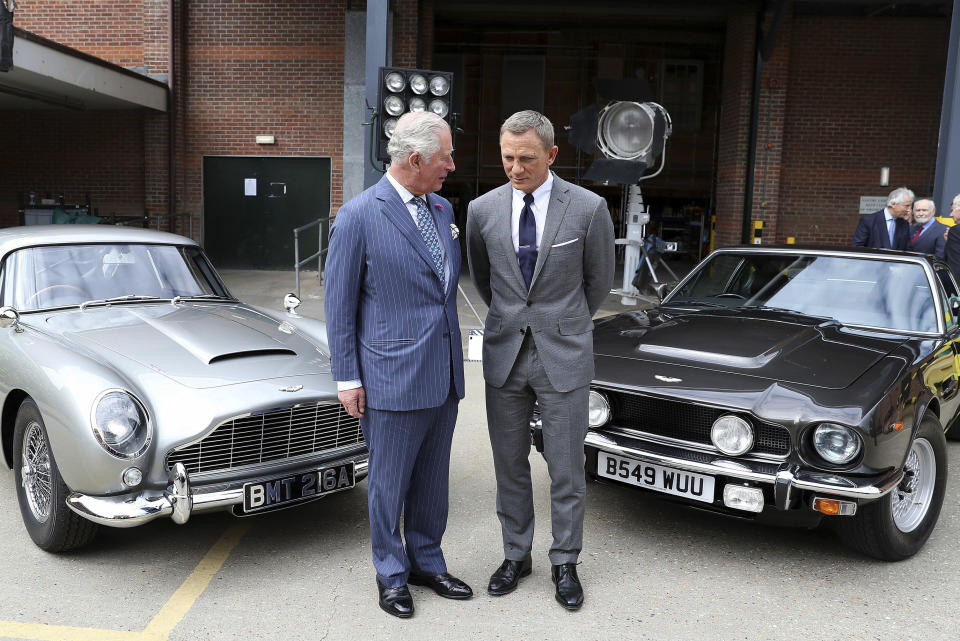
(443, 221)
(504, 227)
(882, 218)
(398, 214)
(559, 199)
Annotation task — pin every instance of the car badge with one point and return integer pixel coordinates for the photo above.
(667, 379)
(292, 388)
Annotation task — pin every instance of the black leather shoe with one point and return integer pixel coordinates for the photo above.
(446, 585)
(508, 575)
(569, 590)
(396, 601)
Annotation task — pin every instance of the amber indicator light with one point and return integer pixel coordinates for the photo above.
(827, 506)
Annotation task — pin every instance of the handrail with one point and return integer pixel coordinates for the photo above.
(297, 263)
(189, 216)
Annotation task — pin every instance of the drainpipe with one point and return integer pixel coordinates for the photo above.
(171, 120)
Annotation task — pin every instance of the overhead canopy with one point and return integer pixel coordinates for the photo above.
(49, 75)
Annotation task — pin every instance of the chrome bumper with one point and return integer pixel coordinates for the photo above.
(179, 500)
(787, 478)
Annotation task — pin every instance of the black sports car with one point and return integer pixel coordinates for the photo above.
(789, 382)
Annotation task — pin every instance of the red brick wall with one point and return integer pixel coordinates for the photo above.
(864, 93)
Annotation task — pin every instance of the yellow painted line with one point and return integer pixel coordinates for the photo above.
(42, 632)
(183, 599)
(162, 625)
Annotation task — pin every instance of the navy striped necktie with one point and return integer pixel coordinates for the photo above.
(527, 240)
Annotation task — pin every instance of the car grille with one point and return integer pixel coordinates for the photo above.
(688, 422)
(274, 435)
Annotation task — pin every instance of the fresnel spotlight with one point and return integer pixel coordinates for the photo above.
(402, 90)
(631, 132)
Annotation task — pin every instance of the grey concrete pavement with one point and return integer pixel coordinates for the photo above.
(651, 569)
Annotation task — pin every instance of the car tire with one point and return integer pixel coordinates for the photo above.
(52, 525)
(897, 526)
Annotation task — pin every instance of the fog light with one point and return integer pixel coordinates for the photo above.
(598, 412)
(740, 497)
(732, 435)
(132, 476)
(833, 507)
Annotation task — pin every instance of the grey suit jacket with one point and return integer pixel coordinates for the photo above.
(573, 275)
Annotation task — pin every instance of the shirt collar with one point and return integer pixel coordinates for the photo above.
(540, 191)
(887, 215)
(405, 194)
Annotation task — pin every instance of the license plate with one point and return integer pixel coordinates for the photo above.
(698, 487)
(286, 490)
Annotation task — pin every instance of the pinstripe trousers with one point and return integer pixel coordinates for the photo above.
(409, 475)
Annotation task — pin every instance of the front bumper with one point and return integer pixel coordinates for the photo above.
(180, 500)
(786, 479)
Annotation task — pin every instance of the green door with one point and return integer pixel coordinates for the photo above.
(251, 205)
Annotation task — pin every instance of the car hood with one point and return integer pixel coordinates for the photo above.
(200, 345)
(758, 343)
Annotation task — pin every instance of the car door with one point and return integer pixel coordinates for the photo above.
(946, 362)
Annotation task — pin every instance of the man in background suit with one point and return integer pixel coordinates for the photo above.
(391, 311)
(887, 228)
(541, 254)
(952, 249)
(927, 235)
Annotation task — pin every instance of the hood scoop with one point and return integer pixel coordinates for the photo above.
(250, 353)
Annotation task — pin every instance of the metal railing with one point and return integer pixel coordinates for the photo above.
(297, 263)
(144, 221)
(172, 218)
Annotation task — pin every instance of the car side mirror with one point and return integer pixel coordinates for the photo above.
(291, 303)
(10, 317)
(662, 290)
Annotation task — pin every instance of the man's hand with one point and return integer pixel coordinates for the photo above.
(354, 401)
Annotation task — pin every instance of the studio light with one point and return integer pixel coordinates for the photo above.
(409, 90)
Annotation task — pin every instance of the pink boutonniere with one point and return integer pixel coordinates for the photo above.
(438, 206)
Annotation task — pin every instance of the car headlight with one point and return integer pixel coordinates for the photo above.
(599, 412)
(835, 443)
(120, 424)
(732, 435)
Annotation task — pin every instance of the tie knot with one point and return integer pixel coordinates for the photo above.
(528, 199)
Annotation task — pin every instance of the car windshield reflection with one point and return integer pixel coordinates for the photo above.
(880, 294)
(65, 275)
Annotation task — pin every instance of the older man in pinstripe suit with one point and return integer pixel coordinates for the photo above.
(395, 348)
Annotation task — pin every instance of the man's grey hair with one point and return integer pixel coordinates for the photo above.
(523, 121)
(933, 205)
(899, 196)
(956, 202)
(416, 132)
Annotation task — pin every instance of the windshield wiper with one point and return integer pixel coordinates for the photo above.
(178, 299)
(786, 311)
(693, 303)
(116, 299)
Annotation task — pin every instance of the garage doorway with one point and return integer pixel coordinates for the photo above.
(251, 205)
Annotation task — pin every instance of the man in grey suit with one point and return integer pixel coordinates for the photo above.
(541, 254)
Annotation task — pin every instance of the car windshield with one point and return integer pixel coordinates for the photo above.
(882, 294)
(62, 275)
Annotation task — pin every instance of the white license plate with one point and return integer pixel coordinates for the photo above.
(698, 487)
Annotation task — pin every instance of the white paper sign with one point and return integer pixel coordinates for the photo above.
(249, 186)
(870, 204)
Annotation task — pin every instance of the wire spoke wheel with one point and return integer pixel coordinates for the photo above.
(35, 473)
(912, 498)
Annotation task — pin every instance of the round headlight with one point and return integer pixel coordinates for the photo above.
(418, 84)
(439, 86)
(394, 82)
(731, 435)
(120, 424)
(389, 126)
(393, 105)
(835, 443)
(439, 107)
(417, 104)
(599, 411)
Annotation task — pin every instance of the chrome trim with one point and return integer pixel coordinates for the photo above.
(801, 479)
(691, 445)
(213, 475)
(179, 501)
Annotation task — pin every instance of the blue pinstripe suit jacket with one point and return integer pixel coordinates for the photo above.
(389, 321)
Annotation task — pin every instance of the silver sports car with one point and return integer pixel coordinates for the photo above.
(134, 386)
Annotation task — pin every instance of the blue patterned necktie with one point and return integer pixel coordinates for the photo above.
(429, 232)
(527, 240)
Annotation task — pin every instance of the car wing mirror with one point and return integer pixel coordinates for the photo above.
(662, 290)
(291, 303)
(10, 317)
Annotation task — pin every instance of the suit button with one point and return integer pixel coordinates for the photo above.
(446, 334)
(529, 303)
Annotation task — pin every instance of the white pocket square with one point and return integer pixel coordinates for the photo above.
(565, 243)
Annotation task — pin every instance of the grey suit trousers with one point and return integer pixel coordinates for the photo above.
(564, 416)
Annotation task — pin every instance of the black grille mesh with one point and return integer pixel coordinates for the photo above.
(271, 436)
(687, 422)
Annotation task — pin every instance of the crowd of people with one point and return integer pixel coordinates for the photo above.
(911, 224)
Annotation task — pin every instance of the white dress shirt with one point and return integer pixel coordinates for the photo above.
(407, 197)
(541, 200)
(891, 225)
